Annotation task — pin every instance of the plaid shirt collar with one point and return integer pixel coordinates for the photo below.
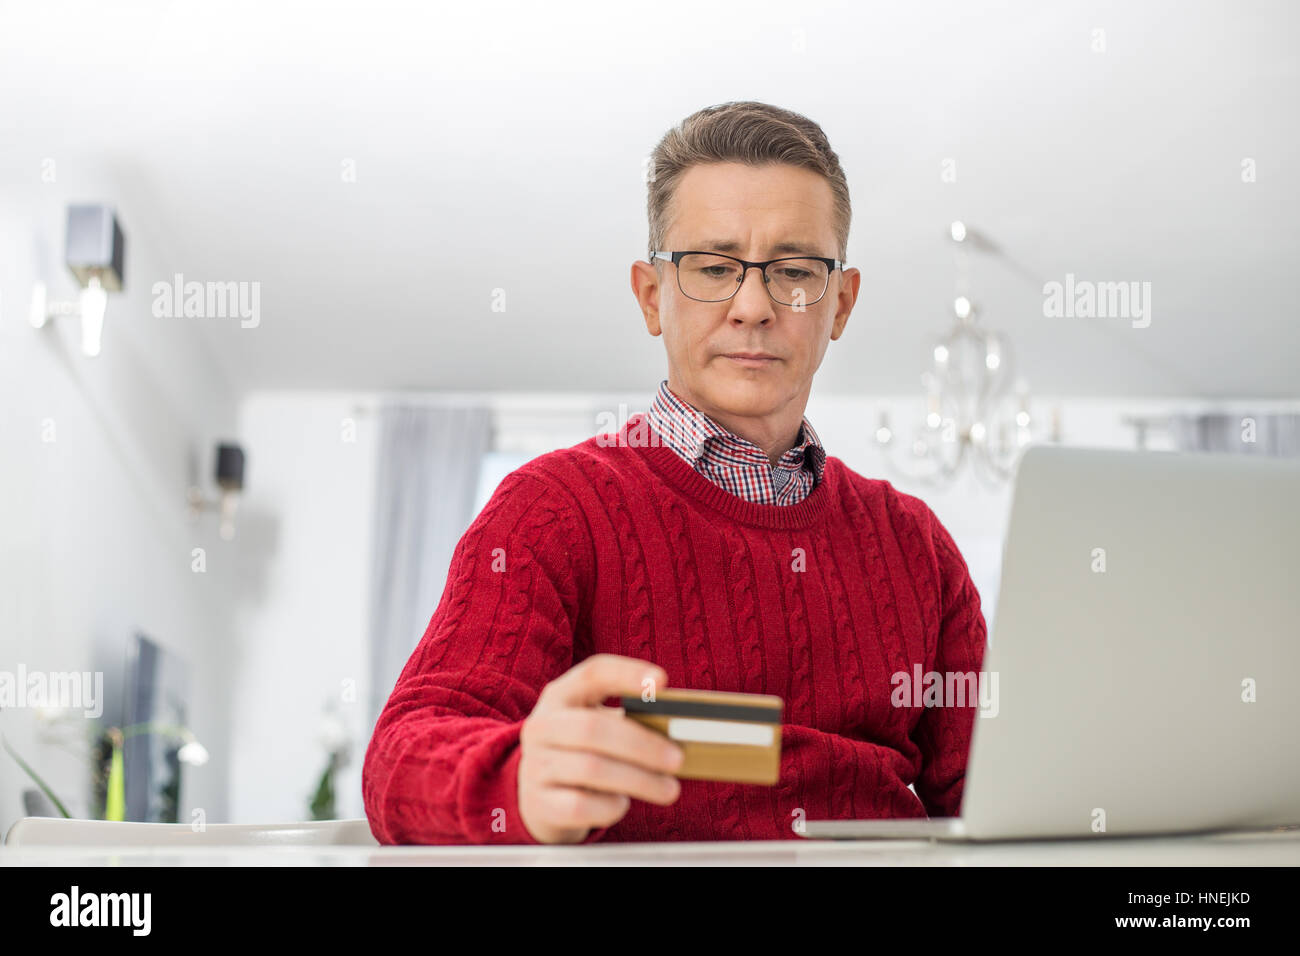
(737, 465)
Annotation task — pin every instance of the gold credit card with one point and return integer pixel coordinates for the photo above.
(723, 736)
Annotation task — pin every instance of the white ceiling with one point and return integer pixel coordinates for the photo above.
(491, 140)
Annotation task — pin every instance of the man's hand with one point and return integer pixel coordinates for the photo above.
(580, 763)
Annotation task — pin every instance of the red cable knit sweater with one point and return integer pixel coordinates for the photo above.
(604, 547)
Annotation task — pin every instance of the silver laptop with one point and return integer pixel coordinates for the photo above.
(1152, 693)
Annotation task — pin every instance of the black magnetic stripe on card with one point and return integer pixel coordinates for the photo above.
(698, 708)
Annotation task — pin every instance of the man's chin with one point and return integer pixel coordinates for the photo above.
(749, 395)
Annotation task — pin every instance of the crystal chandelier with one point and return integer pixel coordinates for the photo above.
(973, 413)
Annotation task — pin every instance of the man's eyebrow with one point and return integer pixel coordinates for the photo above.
(731, 247)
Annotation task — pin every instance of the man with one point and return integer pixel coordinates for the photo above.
(709, 544)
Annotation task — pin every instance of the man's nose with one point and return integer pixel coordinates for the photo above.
(751, 302)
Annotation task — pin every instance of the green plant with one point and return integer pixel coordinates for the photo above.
(45, 788)
(191, 752)
(335, 738)
(322, 804)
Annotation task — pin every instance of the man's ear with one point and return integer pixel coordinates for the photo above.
(646, 283)
(848, 295)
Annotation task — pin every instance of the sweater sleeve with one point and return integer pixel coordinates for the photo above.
(943, 734)
(442, 763)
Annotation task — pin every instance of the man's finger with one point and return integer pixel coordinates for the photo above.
(602, 730)
(604, 675)
(576, 768)
(574, 807)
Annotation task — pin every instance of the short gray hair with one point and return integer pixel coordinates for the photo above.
(743, 132)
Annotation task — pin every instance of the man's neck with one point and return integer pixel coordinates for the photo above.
(775, 435)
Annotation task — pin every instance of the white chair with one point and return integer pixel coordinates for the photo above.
(59, 831)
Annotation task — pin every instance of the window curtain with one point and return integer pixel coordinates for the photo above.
(1273, 435)
(427, 474)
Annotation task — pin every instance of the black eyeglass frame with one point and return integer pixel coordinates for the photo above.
(676, 257)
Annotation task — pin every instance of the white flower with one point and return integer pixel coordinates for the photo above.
(193, 753)
(333, 733)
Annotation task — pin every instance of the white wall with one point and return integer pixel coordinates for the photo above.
(95, 538)
(301, 629)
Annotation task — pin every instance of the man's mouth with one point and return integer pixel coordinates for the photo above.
(751, 359)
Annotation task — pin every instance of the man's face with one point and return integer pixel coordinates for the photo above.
(753, 213)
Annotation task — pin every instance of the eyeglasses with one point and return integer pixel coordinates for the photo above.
(710, 277)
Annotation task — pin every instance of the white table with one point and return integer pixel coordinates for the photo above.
(1258, 848)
